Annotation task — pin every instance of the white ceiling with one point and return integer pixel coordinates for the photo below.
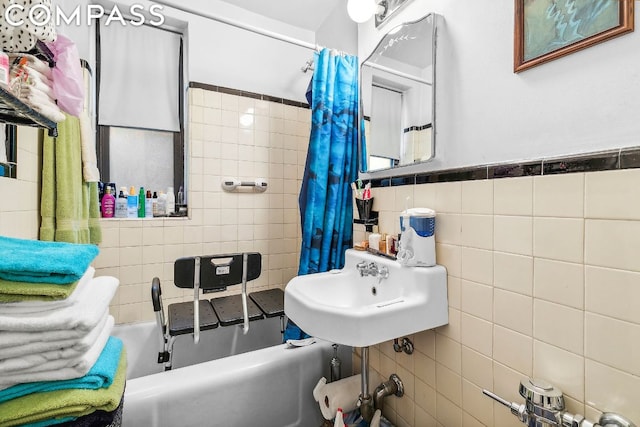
(307, 14)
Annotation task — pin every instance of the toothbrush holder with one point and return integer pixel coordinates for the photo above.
(364, 208)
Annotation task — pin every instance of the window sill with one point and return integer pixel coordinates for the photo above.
(156, 218)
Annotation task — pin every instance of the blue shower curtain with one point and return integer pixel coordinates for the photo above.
(326, 206)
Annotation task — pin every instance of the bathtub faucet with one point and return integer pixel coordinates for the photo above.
(372, 269)
(544, 406)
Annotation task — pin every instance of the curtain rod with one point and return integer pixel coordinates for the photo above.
(237, 24)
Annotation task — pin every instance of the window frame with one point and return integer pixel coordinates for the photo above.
(103, 132)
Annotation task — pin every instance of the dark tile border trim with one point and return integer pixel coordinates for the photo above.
(626, 158)
(246, 94)
(417, 128)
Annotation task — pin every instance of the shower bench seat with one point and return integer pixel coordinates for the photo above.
(211, 274)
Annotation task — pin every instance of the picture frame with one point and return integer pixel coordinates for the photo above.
(550, 29)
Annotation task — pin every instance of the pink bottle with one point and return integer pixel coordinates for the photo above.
(108, 204)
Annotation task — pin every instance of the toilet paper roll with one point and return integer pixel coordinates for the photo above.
(338, 394)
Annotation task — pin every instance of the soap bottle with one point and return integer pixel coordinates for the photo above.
(108, 204)
(121, 204)
(154, 204)
(132, 203)
(148, 205)
(171, 201)
(141, 203)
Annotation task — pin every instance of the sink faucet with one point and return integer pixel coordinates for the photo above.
(372, 269)
(544, 406)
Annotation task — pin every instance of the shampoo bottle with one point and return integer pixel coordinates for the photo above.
(141, 203)
(148, 205)
(121, 204)
(132, 203)
(108, 204)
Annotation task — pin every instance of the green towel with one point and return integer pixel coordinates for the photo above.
(21, 291)
(64, 403)
(68, 205)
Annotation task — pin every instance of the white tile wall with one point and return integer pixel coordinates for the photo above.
(19, 214)
(544, 280)
(230, 136)
(552, 291)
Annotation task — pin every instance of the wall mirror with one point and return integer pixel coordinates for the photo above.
(397, 95)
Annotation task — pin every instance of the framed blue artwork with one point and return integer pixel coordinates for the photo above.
(549, 29)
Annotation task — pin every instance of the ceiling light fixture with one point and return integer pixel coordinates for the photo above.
(362, 10)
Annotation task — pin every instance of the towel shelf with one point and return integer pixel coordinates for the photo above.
(14, 111)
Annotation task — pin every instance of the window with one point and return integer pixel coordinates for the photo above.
(140, 81)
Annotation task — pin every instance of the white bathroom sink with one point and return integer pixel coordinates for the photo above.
(344, 307)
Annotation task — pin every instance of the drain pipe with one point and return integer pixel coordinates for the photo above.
(365, 403)
(392, 387)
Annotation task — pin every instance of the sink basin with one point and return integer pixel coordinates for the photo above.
(344, 307)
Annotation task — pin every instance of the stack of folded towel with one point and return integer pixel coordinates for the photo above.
(30, 81)
(58, 363)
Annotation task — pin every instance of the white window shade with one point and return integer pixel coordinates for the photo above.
(139, 78)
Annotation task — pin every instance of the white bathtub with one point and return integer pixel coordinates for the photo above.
(253, 380)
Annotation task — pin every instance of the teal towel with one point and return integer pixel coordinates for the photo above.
(51, 422)
(100, 376)
(35, 261)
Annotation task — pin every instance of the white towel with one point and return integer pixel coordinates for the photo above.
(49, 110)
(83, 315)
(90, 170)
(27, 362)
(63, 348)
(42, 306)
(56, 370)
(36, 89)
(35, 63)
(10, 339)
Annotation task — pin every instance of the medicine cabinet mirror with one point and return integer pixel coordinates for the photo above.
(397, 95)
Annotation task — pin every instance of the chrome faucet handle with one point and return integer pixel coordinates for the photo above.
(516, 409)
(545, 406)
(542, 400)
(361, 267)
(383, 273)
